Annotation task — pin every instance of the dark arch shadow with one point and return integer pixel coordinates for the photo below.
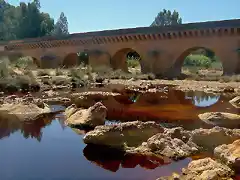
(49, 61)
(119, 59)
(70, 60)
(177, 67)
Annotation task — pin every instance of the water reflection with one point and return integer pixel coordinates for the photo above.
(202, 99)
(28, 130)
(112, 159)
(57, 146)
(175, 106)
(31, 129)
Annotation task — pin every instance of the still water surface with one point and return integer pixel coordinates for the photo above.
(59, 155)
(47, 150)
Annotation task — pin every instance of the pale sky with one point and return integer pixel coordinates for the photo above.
(93, 15)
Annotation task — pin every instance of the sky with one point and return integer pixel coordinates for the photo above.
(95, 15)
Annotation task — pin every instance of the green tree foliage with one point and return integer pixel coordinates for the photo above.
(197, 60)
(61, 27)
(24, 21)
(166, 18)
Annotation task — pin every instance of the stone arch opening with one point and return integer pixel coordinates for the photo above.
(199, 60)
(126, 59)
(70, 60)
(49, 61)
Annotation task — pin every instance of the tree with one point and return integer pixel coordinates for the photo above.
(166, 18)
(23, 21)
(61, 27)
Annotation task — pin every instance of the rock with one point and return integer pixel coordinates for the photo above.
(173, 143)
(23, 111)
(93, 116)
(57, 100)
(207, 168)
(211, 138)
(203, 169)
(221, 119)
(235, 102)
(173, 148)
(51, 93)
(124, 135)
(229, 154)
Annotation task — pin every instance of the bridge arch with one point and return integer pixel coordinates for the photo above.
(49, 60)
(210, 59)
(70, 60)
(119, 58)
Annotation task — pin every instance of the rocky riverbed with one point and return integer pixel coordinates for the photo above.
(155, 120)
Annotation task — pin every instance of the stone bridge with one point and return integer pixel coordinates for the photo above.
(162, 49)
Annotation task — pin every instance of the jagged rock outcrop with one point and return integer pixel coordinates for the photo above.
(203, 169)
(149, 137)
(93, 116)
(206, 168)
(124, 135)
(173, 148)
(229, 154)
(221, 119)
(211, 138)
(23, 111)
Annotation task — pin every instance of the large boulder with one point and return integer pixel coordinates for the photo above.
(221, 119)
(229, 154)
(211, 138)
(203, 169)
(91, 117)
(23, 111)
(124, 135)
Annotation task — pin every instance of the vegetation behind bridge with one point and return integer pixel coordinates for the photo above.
(27, 21)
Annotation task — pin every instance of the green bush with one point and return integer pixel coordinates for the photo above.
(197, 60)
(133, 63)
(25, 62)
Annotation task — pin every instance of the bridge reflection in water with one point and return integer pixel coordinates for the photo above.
(172, 107)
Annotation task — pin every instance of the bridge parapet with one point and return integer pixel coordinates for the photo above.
(212, 28)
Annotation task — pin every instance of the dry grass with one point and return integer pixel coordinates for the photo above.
(210, 75)
(13, 79)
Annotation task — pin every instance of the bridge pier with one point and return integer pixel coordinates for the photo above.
(99, 59)
(230, 61)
